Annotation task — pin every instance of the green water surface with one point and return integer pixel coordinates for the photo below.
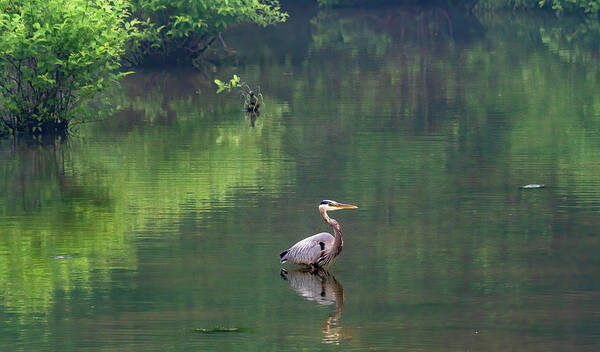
(160, 228)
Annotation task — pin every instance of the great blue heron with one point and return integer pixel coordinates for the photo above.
(321, 249)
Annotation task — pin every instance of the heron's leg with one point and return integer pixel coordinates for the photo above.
(314, 268)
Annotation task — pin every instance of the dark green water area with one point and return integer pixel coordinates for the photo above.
(159, 229)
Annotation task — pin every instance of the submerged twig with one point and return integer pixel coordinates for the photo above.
(216, 330)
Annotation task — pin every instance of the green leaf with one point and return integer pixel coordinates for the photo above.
(79, 39)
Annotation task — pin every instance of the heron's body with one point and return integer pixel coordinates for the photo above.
(321, 249)
(311, 250)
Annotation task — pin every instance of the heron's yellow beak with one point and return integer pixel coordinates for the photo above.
(344, 206)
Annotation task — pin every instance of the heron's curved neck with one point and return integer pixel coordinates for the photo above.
(337, 230)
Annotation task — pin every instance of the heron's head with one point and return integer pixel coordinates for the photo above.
(333, 205)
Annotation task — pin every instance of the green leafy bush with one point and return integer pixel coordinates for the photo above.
(53, 55)
(190, 27)
(588, 6)
(228, 86)
(560, 6)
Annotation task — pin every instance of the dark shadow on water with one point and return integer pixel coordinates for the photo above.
(323, 288)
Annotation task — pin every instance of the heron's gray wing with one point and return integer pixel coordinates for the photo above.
(309, 250)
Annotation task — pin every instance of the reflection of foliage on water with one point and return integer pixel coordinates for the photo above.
(430, 134)
(54, 238)
(412, 85)
(222, 156)
(468, 105)
(335, 33)
(373, 31)
(388, 51)
(573, 38)
(79, 207)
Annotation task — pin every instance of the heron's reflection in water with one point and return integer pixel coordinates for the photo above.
(322, 287)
